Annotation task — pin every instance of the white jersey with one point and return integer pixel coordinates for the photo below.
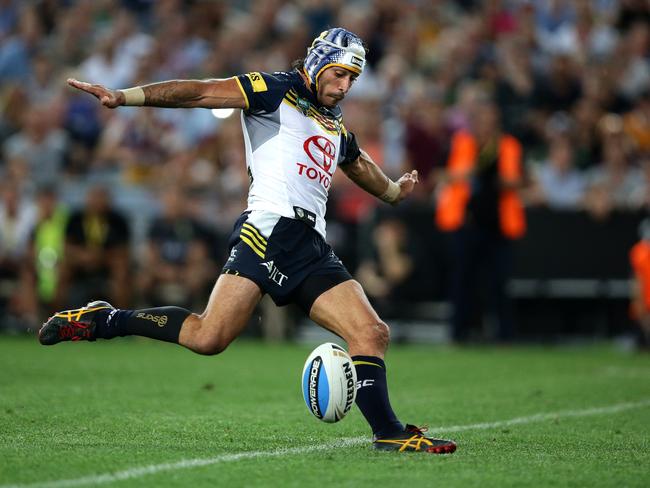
(293, 146)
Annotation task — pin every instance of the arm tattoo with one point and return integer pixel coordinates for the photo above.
(175, 93)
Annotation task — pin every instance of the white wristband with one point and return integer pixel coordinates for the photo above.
(133, 96)
(392, 192)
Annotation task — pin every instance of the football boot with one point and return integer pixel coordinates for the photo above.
(72, 325)
(412, 439)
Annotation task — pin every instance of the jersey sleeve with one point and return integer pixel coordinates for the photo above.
(263, 91)
(349, 148)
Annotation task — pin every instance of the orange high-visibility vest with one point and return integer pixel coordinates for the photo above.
(454, 197)
(640, 261)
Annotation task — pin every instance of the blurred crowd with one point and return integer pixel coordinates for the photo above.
(132, 205)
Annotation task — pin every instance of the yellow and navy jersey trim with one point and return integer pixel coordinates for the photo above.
(243, 92)
(264, 91)
(331, 125)
(253, 239)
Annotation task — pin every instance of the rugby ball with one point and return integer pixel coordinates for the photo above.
(329, 382)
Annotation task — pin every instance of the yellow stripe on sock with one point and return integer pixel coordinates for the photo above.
(366, 363)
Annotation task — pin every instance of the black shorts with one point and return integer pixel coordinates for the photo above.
(285, 257)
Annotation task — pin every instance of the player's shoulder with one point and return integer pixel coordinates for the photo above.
(265, 91)
(286, 77)
(262, 81)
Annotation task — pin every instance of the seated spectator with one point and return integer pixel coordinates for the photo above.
(391, 271)
(139, 143)
(40, 145)
(17, 218)
(177, 267)
(640, 198)
(614, 181)
(557, 184)
(41, 272)
(637, 122)
(426, 140)
(96, 255)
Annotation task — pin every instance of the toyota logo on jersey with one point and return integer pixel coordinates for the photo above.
(321, 151)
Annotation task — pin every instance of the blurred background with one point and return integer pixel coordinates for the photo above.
(133, 205)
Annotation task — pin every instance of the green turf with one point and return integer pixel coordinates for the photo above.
(76, 410)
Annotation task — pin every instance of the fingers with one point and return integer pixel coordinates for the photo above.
(105, 96)
(82, 85)
(412, 176)
(97, 90)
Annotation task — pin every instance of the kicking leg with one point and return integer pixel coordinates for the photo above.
(230, 306)
(346, 311)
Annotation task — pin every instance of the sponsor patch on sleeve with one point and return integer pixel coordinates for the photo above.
(257, 82)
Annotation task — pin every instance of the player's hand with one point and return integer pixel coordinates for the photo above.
(108, 98)
(406, 184)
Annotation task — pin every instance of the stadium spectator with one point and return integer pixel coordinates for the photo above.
(514, 89)
(177, 267)
(17, 218)
(634, 63)
(480, 206)
(426, 139)
(96, 258)
(613, 183)
(640, 199)
(392, 269)
(637, 122)
(640, 304)
(585, 115)
(44, 84)
(40, 147)
(137, 145)
(557, 184)
(560, 87)
(42, 269)
(23, 33)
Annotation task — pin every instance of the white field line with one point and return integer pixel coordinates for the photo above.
(351, 441)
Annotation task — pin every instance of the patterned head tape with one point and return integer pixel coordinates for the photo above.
(334, 47)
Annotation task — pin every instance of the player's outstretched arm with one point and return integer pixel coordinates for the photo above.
(174, 94)
(365, 173)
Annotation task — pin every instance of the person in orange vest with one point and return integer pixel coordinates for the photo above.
(479, 206)
(640, 302)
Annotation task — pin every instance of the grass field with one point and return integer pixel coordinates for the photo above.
(140, 413)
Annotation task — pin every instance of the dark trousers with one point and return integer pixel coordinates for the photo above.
(481, 267)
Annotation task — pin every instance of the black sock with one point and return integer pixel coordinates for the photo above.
(162, 323)
(372, 396)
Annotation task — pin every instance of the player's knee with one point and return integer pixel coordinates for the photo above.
(381, 335)
(210, 345)
(375, 336)
(211, 339)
